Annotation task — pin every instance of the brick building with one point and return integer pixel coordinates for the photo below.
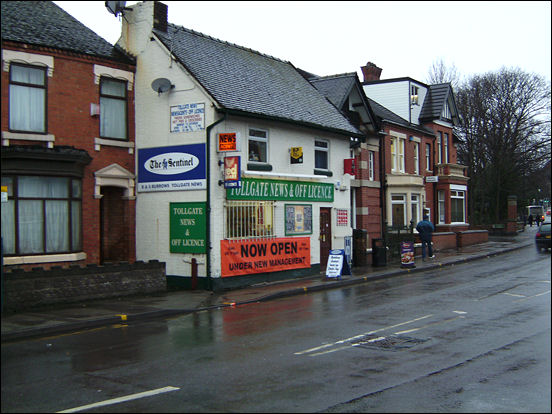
(67, 141)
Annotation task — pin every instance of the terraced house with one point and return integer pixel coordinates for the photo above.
(67, 141)
(240, 172)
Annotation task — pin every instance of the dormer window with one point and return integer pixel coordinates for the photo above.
(446, 112)
(414, 95)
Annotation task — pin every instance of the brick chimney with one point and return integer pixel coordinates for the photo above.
(160, 12)
(371, 72)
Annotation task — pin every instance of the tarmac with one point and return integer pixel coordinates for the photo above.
(126, 310)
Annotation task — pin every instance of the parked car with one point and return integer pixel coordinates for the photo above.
(548, 216)
(542, 238)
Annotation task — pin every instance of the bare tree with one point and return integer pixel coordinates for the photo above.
(439, 72)
(505, 138)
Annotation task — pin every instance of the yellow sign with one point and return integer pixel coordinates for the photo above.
(296, 155)
(4, 194)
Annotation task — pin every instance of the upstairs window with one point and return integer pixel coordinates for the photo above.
(416, 158)
(113, 108)
(27, 98)
(371, 165)
(446, 148)
(446, 112)
(257, 145)
(414, 95)
(321, 154)
(397, 154)
(438, 147)
(428, 157)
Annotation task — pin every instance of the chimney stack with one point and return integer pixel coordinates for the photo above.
(371, 72)
(160, 12)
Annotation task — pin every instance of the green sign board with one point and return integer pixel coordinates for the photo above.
(258, 189)
(188, 227)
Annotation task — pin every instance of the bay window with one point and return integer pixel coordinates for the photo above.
(457, 207)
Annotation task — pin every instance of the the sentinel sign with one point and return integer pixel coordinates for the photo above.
(176, 168)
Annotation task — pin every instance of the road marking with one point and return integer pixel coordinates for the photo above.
(534, 296)
(460, 312)
(318, 348)
(513, 294)
(120, 399)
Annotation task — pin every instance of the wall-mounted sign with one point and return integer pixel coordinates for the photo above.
(4, 194)
(432, 179)
(242, 257)
(176, 168)
(342, 217)
(298, 219)
(232, 172)
(188, 117)
(259, 189)
(296, 155)
(228, 141)
(187, 227)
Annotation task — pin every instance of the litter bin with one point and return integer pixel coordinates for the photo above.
(379, 253)
(359, 247)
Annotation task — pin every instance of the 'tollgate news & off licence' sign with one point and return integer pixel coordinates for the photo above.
(242, 257)
(188, 230)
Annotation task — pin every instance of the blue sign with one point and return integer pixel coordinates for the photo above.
(337, 266)
(407, 254)
(176, 168)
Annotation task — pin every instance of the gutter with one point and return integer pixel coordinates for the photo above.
(208, 201)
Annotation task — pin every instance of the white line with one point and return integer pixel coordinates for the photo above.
(120, 399)
(318, 348)
(534, 296)
(513, 294)
(331, 350)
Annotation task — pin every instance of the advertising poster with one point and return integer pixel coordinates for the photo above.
(407, 254)
(187, 227)
(243, 257)
(176, 168)
(232, 172)
(298, 219)
(188, 117)
(228, 141)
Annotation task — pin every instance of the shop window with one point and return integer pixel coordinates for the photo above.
(457, 207)
(113, 108)
(321, 154)
(257, 145)
(27, 105)
(247, 219)
(441, 206)
(43, 215)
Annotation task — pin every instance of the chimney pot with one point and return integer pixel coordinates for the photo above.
(370, 72)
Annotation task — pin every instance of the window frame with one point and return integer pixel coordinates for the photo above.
(446, 147)
(397, 153)
(416, 158)
(371, 168)
(104, 96)
(441, 212)
(255, 138)
(454, 197)
(321, 149)
(44, 87)
(439, 145)
(242, 219)
(428, 157)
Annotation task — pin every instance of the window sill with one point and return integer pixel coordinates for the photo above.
(47, 258)
(253, 166)
(24, 136)
(98, 142)
(327, 173)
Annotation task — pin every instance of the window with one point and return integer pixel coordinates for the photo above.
(27, 98)
(457, 207)
(445, 150)
(397, 154)
(441, 206)
(446, 112)
(438, 147)
(428, 157)
(257, 145)
(42, 216)
(416, 158)
(371, 165)
(321, 154)
(414, 95)
(415, 208)
(398, 210)
(246, 219)
(113, 108)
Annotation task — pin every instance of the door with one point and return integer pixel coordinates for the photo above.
(113, 226)
(325, 236)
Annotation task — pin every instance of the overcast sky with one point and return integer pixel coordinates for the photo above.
(402, 38)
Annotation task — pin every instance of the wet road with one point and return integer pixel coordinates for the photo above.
(473, 337)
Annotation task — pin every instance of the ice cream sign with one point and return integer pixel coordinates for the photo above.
(176, 168)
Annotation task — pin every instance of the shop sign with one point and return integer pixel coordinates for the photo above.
(337, 266)
(228, 141)
(259, 189)
(4, 194)
(242, 257)
(407, 254)
(187, 227)
(176, 168)
(188, 117)
(296, 155)
(232, 172)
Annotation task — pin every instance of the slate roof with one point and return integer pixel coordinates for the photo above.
(43, 23)
(435, 101)
(244, 81)
(385, 115)
(336, 87)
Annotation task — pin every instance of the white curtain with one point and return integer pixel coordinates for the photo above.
(27, 104)
(31, 226)
(113, 111)
(8, 227)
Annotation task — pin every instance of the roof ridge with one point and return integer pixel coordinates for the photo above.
(338, 75)
(195, 32)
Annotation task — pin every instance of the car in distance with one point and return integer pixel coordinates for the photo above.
(542, 238)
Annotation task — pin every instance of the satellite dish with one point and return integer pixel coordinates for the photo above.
(115, 7)
(161, 85)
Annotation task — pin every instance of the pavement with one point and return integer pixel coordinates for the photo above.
(126, 310)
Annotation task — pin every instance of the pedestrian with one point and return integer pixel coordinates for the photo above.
(537, 220)
(530, 220)
(425, 229)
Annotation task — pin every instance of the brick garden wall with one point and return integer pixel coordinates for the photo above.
(38, 287)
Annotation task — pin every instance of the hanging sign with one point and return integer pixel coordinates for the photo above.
(242, 257)
(407, 254)
(228, 141)
(337, 265)
(232, 172)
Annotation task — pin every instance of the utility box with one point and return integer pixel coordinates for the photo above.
(379, 253)
(359, 247)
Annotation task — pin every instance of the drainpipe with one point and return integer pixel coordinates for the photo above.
(383, 185)
(208, 221)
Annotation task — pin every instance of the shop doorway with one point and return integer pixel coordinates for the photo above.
(113, 226)
(325, 236)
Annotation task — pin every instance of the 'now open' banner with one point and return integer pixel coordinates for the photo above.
(243, 257)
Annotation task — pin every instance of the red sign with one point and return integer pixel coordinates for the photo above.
(227, 142)
(243, 257)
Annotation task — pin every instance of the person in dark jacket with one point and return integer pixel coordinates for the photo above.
(425, 228)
